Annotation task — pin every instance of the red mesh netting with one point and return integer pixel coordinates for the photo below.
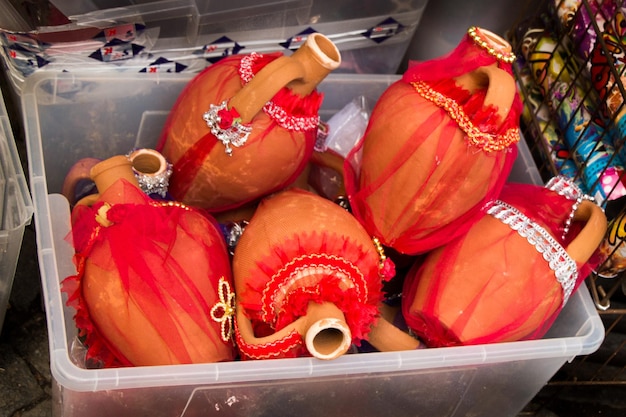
(491, 284)
(298, 248)
(147, 282)
(204, 175)
(419, 177)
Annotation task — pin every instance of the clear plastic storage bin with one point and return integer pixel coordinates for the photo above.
(71, 116)
(16, 208)
(188, 35)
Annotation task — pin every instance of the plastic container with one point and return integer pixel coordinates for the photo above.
(172, 18)
(188, 35)
(372, 37)
(446, 21)
(16, 208)
(70, 116)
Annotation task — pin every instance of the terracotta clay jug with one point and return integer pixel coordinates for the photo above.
(440, 143)
(246, 126)
(152, 172)
(153, 277)
(510, 275)
(308, 279)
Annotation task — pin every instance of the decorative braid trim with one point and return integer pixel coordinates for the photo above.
(493, 50)
(273, 110)
(563, 266)
(486, 141)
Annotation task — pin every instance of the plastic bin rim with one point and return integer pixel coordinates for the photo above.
(70, 376)
(14, 168)
(31, 82)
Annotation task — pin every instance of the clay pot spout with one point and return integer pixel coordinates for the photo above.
(300, 72)
(323, 329)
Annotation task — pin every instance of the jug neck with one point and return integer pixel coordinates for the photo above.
(301, 73)
(106, 173)
(318, 56)
(499, 83)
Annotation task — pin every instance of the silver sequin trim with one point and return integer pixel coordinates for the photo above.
(563, 266)
(154, 183)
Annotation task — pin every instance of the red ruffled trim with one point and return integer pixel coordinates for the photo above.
(291, 346)
(359, 315)
(294, 105)
(359, 309)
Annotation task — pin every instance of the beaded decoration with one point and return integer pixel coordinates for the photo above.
(565, 187)
(386, 267)
(486, 44)
(563, 266)
(154, 183)
(101, 215)
(226, 126)
(171, 204)
(488, 142)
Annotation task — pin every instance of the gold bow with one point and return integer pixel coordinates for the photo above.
(223, 311)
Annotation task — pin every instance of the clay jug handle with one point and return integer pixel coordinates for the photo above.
(77, 173)
(386, 337)
(325, 333)
(301, 73)
(106, 172)
(591, 235)
(334, 161)
(501, 87)
(328, 159)
(502, 90)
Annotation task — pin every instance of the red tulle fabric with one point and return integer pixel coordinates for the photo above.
(491, 285)
(358, 302)
(466, 57)
(145, 284)
(317, 253)
(273, 156)
(415, 180)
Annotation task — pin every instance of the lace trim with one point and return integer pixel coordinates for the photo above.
(290, 277)
(488, 142)
(563, 266)
(273, 110)
(565, 187)
(275, 349)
